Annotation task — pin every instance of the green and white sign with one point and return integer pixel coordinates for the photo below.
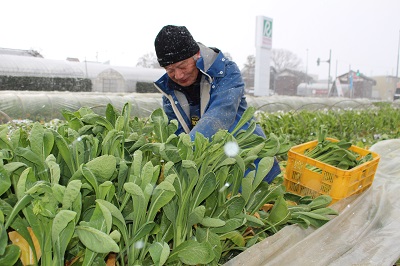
(263, 56)
(264, 32)
(267, 31)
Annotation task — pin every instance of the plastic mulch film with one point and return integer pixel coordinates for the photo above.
(366, 231)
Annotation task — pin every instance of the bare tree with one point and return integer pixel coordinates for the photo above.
(228, 55)
(284, 59)
(148, 60)
(251, 62)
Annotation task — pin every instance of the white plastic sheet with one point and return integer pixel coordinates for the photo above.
(39, 105)
(366, 231)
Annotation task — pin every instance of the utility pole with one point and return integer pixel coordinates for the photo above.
(398, 55)
(307, 63)
(329, 70)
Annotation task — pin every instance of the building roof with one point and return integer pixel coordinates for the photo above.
(23, 65)
(9, 51)
(14, 65)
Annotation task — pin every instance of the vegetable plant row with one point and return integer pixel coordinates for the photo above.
(362, 127)
(117, 190)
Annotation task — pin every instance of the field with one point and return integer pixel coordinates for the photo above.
(151, 197)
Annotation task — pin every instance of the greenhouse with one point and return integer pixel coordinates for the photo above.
(103, 77)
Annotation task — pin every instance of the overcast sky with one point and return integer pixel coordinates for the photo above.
(362, 34)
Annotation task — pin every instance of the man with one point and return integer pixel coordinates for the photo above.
(202, 89)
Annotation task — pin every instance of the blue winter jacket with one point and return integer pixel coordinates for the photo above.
(222, 100)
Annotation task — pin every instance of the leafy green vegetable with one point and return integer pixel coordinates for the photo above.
(98, 185)
(335, 153)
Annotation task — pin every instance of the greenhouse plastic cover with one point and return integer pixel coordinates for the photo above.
(366, 231)
(39, 105)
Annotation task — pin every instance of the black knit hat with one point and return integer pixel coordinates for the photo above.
(174, 44)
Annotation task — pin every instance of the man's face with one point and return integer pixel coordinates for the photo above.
(184, 72)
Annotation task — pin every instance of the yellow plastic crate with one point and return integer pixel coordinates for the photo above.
(331, 180)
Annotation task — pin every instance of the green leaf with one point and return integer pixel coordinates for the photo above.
(264, 166)
(263, 194)
(235, 237)
(313, 215)
(247, 188)
(126, 113)
(171, 210)
(71, 193)
(120, 123)
(226, 162)
(5, 181)
(320, 202)
(58, 192)
(212, 222)
(36, 139)
(48, 142)
(91, 178)
(118, 218)
(159, 252)
(204, 189)
(244, 134)
(160, 121)
(25, 200)
(3, 237)
(111, 113)
(303, 223)
(11, 167)
(325, 211)
(192, 253)
(246, 117)
(54, 169)
(162, 194)
(229, 225)
(111, 142)
(103, 167)
(24, 182)
(146, 175)
(315, 221)
(30, 156)
(139, 200)
(232, 207)
(64, 151)
(105, 189)
(107, 217)
(143, 231)
(96, 240)
(60, 235)
(95, 119)
(206, 235)
(170, 153)
(11, 255)
(279, 213)
(185, 147)
(196, 216)
(253, 221)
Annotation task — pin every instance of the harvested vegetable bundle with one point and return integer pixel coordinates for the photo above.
(336, 153)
